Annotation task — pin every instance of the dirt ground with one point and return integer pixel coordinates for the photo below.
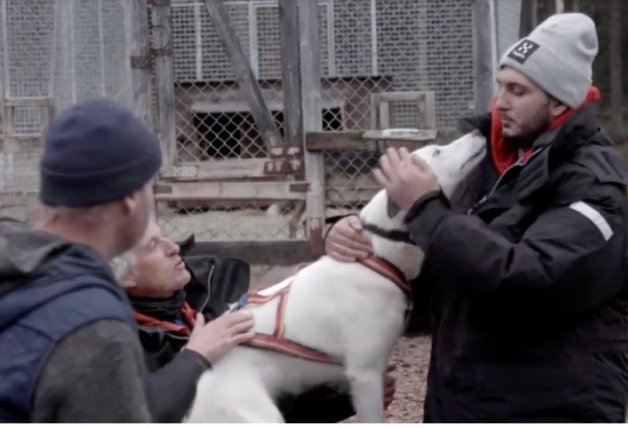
(411, 357)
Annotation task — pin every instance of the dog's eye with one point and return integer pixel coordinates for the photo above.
(436, 153)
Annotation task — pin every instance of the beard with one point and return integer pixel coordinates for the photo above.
(535, 126)
(521, 142)
(526, 140)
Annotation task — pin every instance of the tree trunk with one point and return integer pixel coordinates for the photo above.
(528, 17)
(616, 91)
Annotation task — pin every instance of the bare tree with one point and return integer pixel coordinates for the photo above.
(528, 17)
(616, 90)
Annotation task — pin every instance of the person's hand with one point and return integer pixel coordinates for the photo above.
(406, 178)
(348, 241)
(390, 385)
(217, 337)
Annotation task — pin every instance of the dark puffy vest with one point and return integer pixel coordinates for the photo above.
(71, 293)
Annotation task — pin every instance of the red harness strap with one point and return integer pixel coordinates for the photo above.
(284, 346)
(387, 270)
(277, 343)
(188, 314)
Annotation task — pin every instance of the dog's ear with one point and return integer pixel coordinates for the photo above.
(392, 209)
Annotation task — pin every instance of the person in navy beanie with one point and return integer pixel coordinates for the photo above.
(69, 350)
(95, 152)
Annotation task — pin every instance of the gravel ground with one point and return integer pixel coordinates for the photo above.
(411, 356)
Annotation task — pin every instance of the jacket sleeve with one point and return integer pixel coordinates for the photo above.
(171, 389)
(94, 375)
(570, 255)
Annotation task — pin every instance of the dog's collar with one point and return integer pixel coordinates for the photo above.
(387, 270)
(392, 235)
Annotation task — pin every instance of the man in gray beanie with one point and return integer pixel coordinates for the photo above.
(528, 293)
(68, 341)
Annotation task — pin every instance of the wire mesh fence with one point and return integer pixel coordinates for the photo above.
(378, 59)
(367, 47)
(52, 54)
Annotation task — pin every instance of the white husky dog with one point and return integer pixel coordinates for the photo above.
(345, 310)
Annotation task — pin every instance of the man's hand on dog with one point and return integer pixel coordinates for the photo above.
(347, 241)
(406, 178)
(214, 339)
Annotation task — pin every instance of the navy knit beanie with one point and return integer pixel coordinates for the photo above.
(95, 152)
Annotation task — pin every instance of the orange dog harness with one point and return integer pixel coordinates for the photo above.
(278, 343)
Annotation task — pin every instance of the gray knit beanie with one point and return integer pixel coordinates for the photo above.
(557, 55)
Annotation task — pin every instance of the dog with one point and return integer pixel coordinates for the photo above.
(347, 311)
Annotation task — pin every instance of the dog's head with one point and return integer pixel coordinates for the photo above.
(452, 163)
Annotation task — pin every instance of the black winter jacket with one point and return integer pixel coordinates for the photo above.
(529, 294)
(216, 281)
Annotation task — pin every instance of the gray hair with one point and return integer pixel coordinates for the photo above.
(122, 265)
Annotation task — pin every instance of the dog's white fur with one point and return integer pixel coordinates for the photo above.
(343, 309)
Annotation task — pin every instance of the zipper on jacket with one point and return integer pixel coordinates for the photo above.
(499, 180)
(518, 163)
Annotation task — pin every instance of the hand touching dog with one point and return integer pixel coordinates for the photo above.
(406, 178)
(348, 241)
(217, 337)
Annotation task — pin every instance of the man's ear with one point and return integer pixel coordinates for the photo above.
(557, 108)
(129, 204)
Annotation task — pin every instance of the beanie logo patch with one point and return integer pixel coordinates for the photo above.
(522, 51)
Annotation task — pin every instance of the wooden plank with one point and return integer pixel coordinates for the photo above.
(198, 41)
(274, 105)
(374, 49)
(136, 22)
(258, 252)
(401, 95)
(375, 110)
(358, 140)
(312, 121)
(290, 82)
(482, 54)
(230, 191)
(232, 169)
(384, 114)
(402, 134)
(244, 75)
(216, 170)
(430, 109)
(164, 77)
(29, 102)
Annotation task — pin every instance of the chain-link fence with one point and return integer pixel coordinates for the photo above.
(52, 54)
(384, 64)
(367, 47)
